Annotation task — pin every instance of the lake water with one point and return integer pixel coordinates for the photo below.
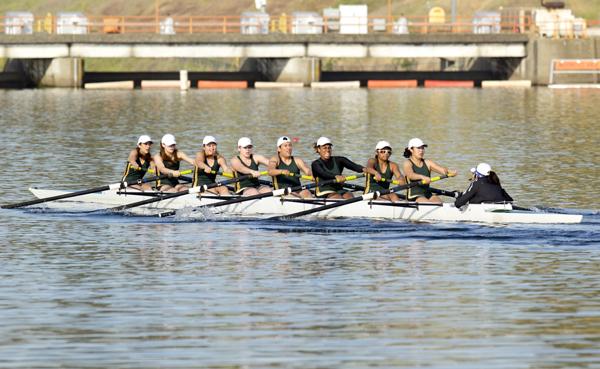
(98, 291)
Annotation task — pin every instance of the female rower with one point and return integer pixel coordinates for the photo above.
(485, 187)
(208, 163)
(417, 168)
(285, 168)
(247, 163)
(167, 162)
(386, 171)
(138, 163)
(328, 167)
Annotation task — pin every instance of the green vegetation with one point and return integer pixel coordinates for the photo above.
(583, 8)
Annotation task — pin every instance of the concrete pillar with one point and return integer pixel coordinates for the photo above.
(63, 72)
(305, 70)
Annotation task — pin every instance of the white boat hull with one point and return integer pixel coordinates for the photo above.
(276, 206)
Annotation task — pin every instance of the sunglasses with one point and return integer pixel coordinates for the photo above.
(385, 151)
(146, 143)
(172, 145)
(247, 147)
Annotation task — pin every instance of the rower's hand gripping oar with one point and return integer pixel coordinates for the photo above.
(275, 193)
(368, 196)
(114, 186)
(192, 190)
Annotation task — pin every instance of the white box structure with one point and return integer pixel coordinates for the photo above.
(354, 19)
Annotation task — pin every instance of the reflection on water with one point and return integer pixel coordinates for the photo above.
(111, 291)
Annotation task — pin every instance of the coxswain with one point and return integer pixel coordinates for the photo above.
(485, 187)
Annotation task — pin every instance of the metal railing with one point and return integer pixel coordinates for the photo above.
(120, 24)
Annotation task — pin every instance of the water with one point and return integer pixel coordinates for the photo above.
(97, 291)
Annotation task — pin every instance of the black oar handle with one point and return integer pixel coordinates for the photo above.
(114, 186)
(369, 196)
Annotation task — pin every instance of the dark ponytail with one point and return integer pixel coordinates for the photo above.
(407, 153)
(494, 178)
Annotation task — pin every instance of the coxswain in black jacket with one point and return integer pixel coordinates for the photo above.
(483, 190)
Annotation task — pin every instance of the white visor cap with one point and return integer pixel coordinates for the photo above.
(209, 139)
(324, 141)
(483, 169)
(415, 142)
(244, 141)
(283, 139)
(382, 144)
(168, 140)
(143, 139)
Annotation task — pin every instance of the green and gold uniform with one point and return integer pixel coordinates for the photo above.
(248, 182)
(420, 190)
(283, 181)
(131, 174)
(202, 178)
(170, 181)
(372, 185)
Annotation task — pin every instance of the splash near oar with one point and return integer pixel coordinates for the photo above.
(114, 186)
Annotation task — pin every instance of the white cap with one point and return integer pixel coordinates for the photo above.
(415, 142)
(244, 141)
(381, 144)
(168, 140)
(209, 139)
(483, 169)
(144, 139)
(283, 139)
(324, 141)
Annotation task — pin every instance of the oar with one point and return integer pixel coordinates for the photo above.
(368, 196)
(192, 190)
(457, 194)
(274, 193)
(114, 186)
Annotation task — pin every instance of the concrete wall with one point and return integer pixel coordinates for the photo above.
(541, 51)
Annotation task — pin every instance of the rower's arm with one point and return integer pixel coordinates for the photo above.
(184, 157)
(238, 167)
(344, 162)
(397, 173)
(303, 167)
(133, 155)
(261, 160)
(410, 173)
(319, 170)
(199, 161)
(160, 166)
(223, 164)
(440, 169)
(272, 168)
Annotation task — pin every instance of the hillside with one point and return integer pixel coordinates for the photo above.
(583, 8)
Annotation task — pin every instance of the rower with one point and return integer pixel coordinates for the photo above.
(168, 162)
(417, 168)
(328, 167)
(207, 164)
(138, 163)
(386, 171)
(485, 187)
(247, 163)
(285, 168)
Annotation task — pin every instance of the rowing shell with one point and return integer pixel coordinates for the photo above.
(277, 206)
